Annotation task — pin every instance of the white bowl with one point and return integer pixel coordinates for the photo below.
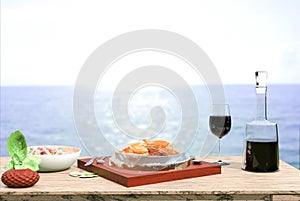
(51, 163)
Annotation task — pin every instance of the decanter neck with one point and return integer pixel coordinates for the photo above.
(261, 99)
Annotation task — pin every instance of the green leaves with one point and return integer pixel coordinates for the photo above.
(17, 149)
(31, 162)
(16, 146)
(10, 165)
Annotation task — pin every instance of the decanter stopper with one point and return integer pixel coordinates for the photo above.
(261, 78)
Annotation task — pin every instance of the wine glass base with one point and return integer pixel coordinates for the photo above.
(222, 163)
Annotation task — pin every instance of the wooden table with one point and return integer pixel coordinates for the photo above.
(232, 184)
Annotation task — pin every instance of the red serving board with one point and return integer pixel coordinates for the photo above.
(131, 178)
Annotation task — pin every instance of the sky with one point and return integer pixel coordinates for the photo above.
(47, 42)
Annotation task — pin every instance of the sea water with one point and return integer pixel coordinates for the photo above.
(45, 116)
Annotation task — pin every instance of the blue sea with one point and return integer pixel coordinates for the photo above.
(45, 116)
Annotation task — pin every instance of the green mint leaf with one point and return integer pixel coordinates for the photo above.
(16, 146)
(16, 159)
(10, 165)
(31, 162)
(17, 149)
(30, 150)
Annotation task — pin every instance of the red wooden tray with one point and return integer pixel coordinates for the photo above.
(131, 178)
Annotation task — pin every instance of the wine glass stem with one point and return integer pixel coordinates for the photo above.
(220, 149)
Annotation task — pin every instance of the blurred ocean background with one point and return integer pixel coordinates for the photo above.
(45, 116)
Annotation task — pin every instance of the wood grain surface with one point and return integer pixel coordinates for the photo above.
(232, 184)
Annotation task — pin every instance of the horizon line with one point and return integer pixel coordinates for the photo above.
(69, 85)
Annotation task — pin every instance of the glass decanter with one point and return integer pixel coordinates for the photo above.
(261, 152)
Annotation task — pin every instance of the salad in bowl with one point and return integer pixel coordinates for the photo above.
(54, 157)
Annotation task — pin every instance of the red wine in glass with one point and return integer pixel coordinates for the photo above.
(220, 124)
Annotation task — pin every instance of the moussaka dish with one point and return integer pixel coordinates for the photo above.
(148, 155)
(151, 148)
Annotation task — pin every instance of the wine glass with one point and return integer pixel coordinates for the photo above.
(220, 124)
